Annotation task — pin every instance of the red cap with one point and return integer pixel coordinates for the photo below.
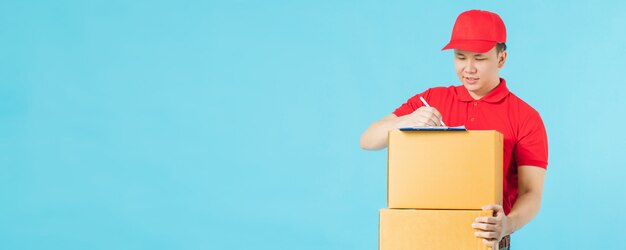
(477, 31)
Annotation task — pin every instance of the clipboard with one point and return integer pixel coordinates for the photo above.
(457, 128)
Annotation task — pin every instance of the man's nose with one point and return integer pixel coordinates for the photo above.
(470, 67)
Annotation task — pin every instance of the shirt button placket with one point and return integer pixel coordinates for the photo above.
(474, 111)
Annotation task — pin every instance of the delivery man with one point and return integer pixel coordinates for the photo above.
(482, 102)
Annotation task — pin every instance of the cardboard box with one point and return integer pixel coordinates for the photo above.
(444, 169)
(412, 229)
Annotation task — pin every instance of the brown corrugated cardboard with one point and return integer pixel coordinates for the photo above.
(444, 169)
(412, 229)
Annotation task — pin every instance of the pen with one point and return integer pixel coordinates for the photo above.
(425, 103)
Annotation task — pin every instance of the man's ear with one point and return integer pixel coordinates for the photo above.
(502, 58)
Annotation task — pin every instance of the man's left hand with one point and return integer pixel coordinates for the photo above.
(494, 228)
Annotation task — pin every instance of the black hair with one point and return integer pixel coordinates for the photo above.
(500, 47)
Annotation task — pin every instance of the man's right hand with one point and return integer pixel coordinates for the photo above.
(421, 117)
(375, 137)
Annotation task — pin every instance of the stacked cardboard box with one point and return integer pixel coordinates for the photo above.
(437, 183)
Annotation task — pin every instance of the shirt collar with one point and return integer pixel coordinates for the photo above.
(496, 94)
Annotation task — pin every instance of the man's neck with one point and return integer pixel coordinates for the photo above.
(477, 96)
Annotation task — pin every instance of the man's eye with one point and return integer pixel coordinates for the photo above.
(480, 59)
(461, 58)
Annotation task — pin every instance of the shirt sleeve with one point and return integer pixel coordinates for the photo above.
(412, 104)
(532, 145)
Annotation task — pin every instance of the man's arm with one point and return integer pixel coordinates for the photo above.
(530, 182)
(376, 135)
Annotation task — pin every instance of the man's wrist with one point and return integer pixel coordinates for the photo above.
(512, 224)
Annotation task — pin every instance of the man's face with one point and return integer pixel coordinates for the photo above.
(479, 72)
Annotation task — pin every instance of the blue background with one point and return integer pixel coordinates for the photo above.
(236, 124)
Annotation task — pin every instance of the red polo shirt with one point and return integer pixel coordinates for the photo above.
(525, 140)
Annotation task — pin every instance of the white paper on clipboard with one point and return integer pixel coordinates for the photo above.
(457, 128)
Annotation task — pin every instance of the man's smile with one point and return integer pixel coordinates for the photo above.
(471, 80)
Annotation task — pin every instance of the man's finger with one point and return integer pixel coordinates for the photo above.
(490, 243)
(498, 210)
(436, 112)
(432, 117)
(492, 207)
(490, 220)
(427, 119)
(486, 235)
(435, 120)
(484, 226)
